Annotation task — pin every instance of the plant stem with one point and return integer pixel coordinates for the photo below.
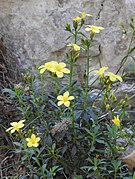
(71, 74)
(123, 61)
(87, 73)
(42, 85)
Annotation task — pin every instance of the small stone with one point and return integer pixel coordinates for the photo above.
(130, 160)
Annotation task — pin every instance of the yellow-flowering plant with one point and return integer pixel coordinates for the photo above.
(72, 128)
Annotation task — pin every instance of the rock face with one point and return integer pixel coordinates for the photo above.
(34, 30)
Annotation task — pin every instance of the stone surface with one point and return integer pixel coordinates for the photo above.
(34, 30)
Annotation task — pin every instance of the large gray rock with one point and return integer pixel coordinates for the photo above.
(34, 30)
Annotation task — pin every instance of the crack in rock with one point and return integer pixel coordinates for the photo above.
(99, 13)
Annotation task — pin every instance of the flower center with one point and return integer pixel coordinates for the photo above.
(33, 141)
(58, 68)
(65, 99)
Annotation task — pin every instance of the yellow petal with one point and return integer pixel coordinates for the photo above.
(37, 139)
(13, 130)
(67, 104)
(9, 129)
(60, 103)
(13, 123)
(76, 47)
(29, 144)
(70, 97)
(119, 78)
(78, 19)
(65, 70)
(42, 70)
(62, 64)
(60, 97)
(66, 94)
(35, 145)
(59, 74)
(28, 139)
(33, 136)
(87, 29)
(42, 66)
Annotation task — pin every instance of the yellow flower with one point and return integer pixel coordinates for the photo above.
(59, 69)
(16, 126)
(94, 29)
(113, 77)
(78, 19)
(101, 71)
(83, 16)
(65, 99)
(116, 121)
(55, 67)
(47, 66)
(33, 141)
(76, 47)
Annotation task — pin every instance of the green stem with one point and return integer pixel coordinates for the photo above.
(37, 160)
(73, 119)
(71, 74)
(87, 73)
(126, 57)
(56, 83)
(42, 85)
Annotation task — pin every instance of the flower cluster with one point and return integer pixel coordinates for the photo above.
(54, 67)
(16, 126)
(83, 16)
(111, 75)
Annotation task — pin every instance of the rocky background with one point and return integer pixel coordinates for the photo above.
(34, 30)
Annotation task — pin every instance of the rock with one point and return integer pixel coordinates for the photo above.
(130, 160)
(34, 30)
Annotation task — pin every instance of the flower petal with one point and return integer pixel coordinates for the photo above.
(35, 145)
(42, 70)
(65, 70)
(71, 98)
(62, 64)
(13, 130)
(28, 139)
(42, 66)
(60, 97)
(119, 78)
(60, 103)
(59, 74)
(37, 139)
(87, 29)
(13, 123)
(67, 104)
(9, 129)
(29, 144)
(33, 136)
(66, 94)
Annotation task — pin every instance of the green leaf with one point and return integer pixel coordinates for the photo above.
(24, 157)
(18, 144)
(11, 93)
(100, 141)
(44, 167)
(78, 177)
(77, 114)
(53, 104)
